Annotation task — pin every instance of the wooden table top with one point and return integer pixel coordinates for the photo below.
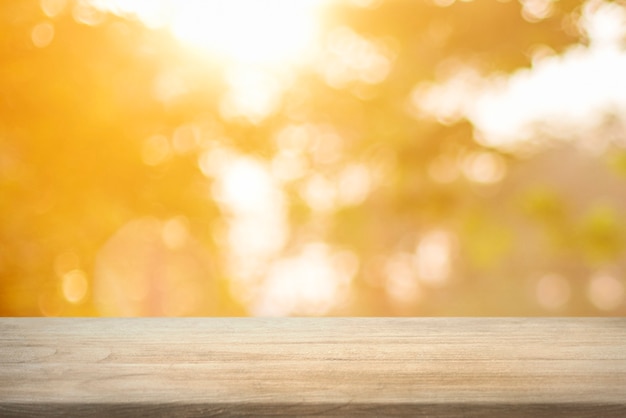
(313, 366)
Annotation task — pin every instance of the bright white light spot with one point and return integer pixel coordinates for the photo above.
(564, 96)
(310, 283)
(247, 186)
(606, 292)
(604, 23)
(248, 31)
(259, 237)
(257, 41)
(351, 57)
(450, 99)
(257, 229)
(267, 32)
(567, 95)
(74, 286)
(254, 94)
(319, 193)
(42, 34)
(354, 184)
(153, 13)
(552, 291)
(433, 258)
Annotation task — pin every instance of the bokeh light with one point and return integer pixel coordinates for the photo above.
(43, 34)
(606, 291)
(553, 291)
(312, 157)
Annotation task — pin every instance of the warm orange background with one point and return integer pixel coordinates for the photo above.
(308, 157)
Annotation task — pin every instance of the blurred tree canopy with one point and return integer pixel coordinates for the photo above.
(116, 144)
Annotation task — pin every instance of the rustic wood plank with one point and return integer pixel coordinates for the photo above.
(318, 366)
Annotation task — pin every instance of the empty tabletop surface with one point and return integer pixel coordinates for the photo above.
(313, 366)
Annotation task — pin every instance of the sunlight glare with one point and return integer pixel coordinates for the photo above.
(248, 31)
(566, 95)
(246, 186)
(265, 32)
(253, 94)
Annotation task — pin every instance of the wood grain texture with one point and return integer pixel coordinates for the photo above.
(449, 367)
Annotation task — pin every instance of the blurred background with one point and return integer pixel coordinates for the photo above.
(312, 157)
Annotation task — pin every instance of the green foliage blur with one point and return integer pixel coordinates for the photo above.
(110, 199)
